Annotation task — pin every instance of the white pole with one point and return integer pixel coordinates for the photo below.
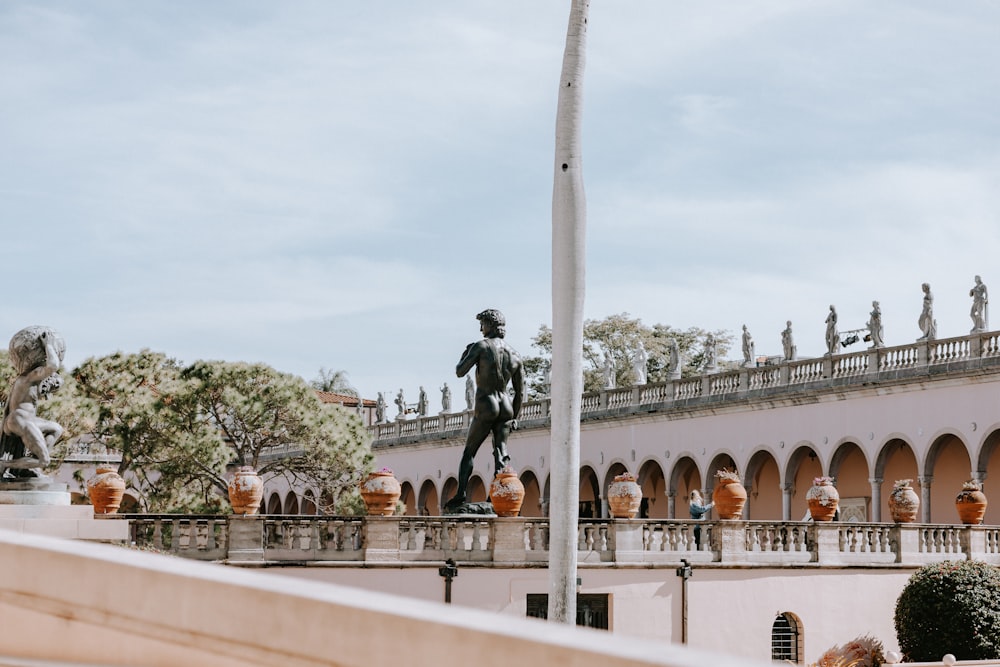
(569, 226)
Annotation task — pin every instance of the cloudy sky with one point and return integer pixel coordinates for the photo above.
(346, 184)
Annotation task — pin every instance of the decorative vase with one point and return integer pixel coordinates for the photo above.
(245, 491)
(106, 489)
(380, 491)
(823, 499)
(903, 502)
(729, 497)
(971, 504)
(624, 497)
(507, 493)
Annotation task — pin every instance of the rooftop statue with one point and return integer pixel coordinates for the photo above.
(639, 361)
(788, 343)
(926, 322)
(832, 335)
(710, 365)
(445, 398)
(608, 371)
(36, 353)
(422, 403)
(674, 361)
(380, 409)
(400, 405)
(748, 347)
(497, 365)
(470, 393)
(980, 307)
(875, 330)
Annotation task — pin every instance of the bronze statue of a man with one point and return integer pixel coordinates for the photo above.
(497, 365)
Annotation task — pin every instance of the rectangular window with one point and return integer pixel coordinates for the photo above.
(591, 608)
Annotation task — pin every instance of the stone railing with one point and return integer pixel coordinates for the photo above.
(297, 539)
(863, 367)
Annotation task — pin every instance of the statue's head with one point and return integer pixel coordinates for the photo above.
(493, 323)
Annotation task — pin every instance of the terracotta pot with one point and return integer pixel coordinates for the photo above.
(106, 489)
(245, 491)
(823, 500)
(506, 493)
(903, 503)
(624, 497)
(971, 506)
(380, 491)
(729, 497)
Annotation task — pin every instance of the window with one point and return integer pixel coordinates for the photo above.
(591, 608)
(785, 638)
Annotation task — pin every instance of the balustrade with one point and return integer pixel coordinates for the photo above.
(298, 539)
(864, 366)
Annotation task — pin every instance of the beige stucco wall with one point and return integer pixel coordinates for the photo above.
(729, 609)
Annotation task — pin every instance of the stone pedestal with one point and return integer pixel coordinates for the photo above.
(34, 492)
(246, 539)
(42, 507)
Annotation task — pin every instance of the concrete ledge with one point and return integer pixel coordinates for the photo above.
(115, 606)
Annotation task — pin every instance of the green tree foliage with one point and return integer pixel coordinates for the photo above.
(335, 382)
(619, 336)
(950, 607)
(275, 423)
(170, 457)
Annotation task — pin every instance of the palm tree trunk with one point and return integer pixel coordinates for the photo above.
(569, 226)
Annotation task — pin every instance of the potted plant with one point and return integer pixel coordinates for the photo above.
(106, 489)
(823, 499)
(971, 503)
(903, 502)
(246, 489)
(380, 491)
(624, 496)
(729, 495)
(506, 492)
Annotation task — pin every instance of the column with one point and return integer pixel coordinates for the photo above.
(672, 505)
(925, 498)
(876, 483)
(786, 502)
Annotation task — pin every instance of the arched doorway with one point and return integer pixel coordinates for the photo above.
(684, 478)
(408, 499)
(590, 494)
(309, 507)
(895, 461)
(274, 504)
(291, 503)
(803, 467)
(428, 502)
(763, 485)
(849, 468)
(532, 505)
(948, 464)
(654, 491)
(477, 490)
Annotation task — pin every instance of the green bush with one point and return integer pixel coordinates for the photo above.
(950, 607)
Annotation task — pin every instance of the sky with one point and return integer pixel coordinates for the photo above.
(344, 185)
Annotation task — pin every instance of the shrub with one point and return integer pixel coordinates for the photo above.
(950, 607)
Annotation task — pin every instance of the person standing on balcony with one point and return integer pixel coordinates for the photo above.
(698, 510)
(497, 365)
